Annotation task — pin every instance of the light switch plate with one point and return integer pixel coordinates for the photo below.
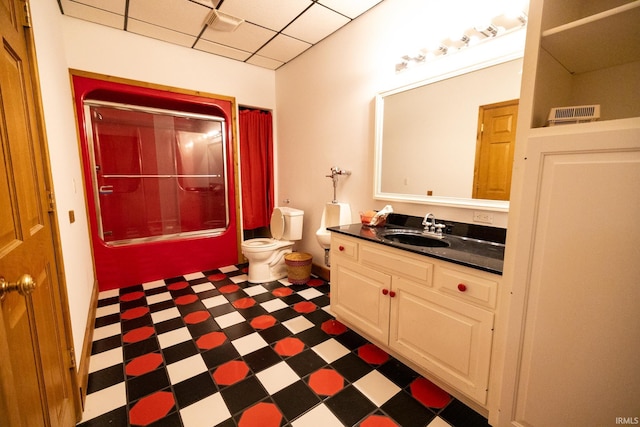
(484, 217)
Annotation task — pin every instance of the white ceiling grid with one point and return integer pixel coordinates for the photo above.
(274, 31)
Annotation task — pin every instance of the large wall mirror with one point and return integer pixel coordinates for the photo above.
(426, 134)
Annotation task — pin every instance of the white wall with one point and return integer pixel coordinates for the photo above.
(63, 43)
(325, 104)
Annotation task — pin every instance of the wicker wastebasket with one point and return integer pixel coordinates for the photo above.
(298, 267)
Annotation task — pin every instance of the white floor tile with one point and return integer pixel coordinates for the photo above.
(320, 416)
(310, 293)
(207, 412)
(438, 422)
(154, 299)
(228, 269)
(229, 319)
(255, 290)
(107, 310)
(174, 337)
(277, 377)
(107, 331)
(104, 401)
(249, 343)
(298, 324)
(109, 294)
(153, 285)
(239, 279)
(192, 276)
(161, 316)
(274, 305)
(378, 388)
(186, 368)
(202, 287)
(330, 350)
(105, 359)
(215, 301)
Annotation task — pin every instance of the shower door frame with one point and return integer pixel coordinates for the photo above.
(146, 260)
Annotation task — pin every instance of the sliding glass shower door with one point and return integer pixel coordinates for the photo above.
(158, 174)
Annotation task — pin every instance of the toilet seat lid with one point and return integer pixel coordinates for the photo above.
(277, 224)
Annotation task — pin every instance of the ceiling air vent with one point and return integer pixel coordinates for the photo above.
(568, 115)
(222, 22)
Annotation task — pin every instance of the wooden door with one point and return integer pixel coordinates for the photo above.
(494, 150)
(37, 369)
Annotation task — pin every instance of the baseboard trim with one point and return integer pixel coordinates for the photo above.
(83, 363)
(321, 271)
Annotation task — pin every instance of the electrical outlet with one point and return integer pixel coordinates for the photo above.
(485, 217)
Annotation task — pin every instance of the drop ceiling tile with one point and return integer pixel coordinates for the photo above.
(115, 6)
(247, 36)
(315, 24)
(283, 48)
(92, 14)
(180, 15)
(160, 33)
(218, 49)
(265, 13)
(352, 8)
(263, 62)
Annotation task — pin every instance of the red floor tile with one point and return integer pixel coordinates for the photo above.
(139, 334)
(289, 346)
(177, 286)
(217, 277)
(305, 307)
(134, 313)
(196, 317)
(326, 382)
(151, 408)
(378, 421)
(282, 292)
(211, 340)
(429, 394)
(263, 322)
(230, 372)
(143, 364)
(372, 354)
(244, 302)
(315, 282)
(132, 296)
(186, 299)
(333, 327)
(229, 289)
(263, 415)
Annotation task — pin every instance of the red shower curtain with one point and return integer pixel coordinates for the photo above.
(256, 162)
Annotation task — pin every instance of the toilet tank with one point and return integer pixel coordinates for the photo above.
(292, 222)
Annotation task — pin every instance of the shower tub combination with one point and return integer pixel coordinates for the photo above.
(159, 181)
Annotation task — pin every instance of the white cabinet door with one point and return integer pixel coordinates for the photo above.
(360, 297)
(450, 338)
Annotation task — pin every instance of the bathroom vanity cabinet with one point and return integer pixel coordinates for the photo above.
(437, 316)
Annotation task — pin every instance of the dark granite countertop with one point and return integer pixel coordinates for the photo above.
(467, 242)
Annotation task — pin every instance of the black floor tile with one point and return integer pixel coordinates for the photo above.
(350, 406)
(295, 400)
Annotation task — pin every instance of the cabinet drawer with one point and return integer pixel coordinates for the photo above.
(344, 248)
(468, 287)
(398, 263)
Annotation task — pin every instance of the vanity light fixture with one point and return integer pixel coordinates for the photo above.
(499, 25)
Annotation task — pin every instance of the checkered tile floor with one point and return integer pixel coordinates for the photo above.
(211, 349)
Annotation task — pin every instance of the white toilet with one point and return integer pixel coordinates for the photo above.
(266, 256)
(334, 214)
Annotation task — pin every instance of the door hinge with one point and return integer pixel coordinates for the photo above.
(72, 358)
(481, 127)
(26, 15)
(51, 199)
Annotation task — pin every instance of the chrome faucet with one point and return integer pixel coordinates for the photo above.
(431, 226)
(428, 225)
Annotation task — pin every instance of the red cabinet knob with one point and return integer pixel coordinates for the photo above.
(385, 291)
(341, 248)
(392, 294)
(462, 287)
